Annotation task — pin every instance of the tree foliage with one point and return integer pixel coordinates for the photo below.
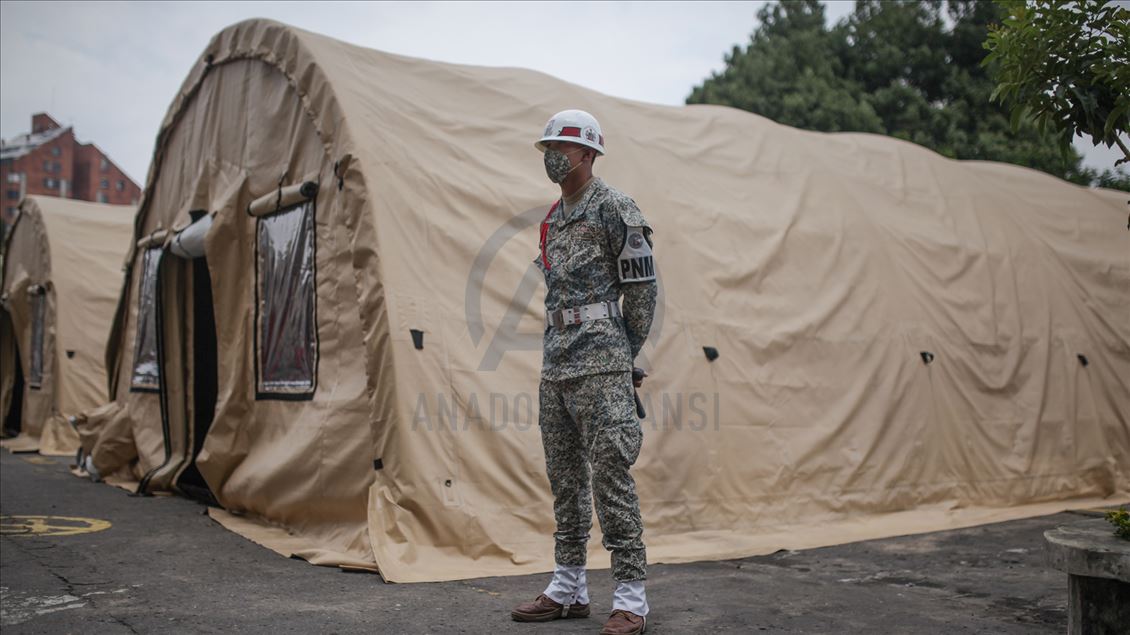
(1065, 65)
(1117, 179)
(912, 70)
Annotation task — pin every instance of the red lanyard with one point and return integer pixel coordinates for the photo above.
(544, 230)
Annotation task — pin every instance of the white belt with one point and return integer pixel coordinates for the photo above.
(586, 313)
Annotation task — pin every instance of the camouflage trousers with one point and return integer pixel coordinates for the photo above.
(592, 437)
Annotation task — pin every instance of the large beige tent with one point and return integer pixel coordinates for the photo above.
(857, 337)
(62, 276)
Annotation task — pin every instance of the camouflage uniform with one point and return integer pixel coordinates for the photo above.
(587, 408)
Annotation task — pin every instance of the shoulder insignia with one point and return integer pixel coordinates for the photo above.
(636, 263)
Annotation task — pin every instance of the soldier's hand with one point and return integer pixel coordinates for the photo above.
(637, 377)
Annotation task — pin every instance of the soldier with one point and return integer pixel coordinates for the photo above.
(595, 247)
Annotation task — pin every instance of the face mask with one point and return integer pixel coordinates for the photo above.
(557, 166)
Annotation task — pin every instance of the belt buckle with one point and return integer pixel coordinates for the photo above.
(575, 316)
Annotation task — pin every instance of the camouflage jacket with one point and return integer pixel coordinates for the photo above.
(596, 253)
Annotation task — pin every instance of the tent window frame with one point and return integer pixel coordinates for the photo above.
(38, 337)
(265, 389)
(147, 317)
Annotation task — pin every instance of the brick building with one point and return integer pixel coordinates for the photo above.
(49, 161)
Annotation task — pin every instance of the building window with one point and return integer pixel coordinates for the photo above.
(105, 164)
(102, 198)
(13, 195)
(146, 370)
(286, 334)
(105, 184)
(58, 167)
(50, 183)
(38, 317)
(56, 151)
(121, 185)
(47, 166)
(13, 177)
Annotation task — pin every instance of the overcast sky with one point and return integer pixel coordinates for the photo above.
(111, 69)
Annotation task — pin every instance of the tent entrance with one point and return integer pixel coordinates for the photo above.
(13, 418)
(187, 356)
(204, 378)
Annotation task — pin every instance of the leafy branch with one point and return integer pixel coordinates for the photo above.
(1065, 66)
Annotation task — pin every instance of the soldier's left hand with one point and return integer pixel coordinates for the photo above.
(637, 377)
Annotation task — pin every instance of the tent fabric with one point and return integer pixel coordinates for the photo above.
(899, 336)
(73, 251)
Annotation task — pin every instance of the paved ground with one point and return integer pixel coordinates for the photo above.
(164, 566)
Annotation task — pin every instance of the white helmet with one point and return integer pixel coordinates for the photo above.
(576, 126)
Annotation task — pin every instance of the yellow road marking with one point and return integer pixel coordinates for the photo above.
(50, 525)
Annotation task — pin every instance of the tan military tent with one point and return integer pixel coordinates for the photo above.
(62, 276)
(857, 337)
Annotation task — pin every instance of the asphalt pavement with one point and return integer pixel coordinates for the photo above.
(80, 557)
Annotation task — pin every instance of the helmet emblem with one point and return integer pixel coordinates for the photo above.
(590, 134)
(548, 128)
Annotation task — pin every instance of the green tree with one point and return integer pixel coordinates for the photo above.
(1116, 179)
(1065, 65)
(891, 68)
(788, 74)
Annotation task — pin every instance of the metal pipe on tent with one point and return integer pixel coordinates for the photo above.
(189, 243)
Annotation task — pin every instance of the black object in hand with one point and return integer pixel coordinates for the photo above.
(637, 378)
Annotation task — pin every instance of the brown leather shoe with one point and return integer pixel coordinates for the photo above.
(624, 623)
(544, 609)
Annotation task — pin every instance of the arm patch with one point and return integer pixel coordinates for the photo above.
(635, 262)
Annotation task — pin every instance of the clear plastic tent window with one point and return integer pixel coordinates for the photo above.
(38, 324)
(146, 371)
(287, 345)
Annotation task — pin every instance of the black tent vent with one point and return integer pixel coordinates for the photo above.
(711, 353)
(927, 357)
(340, 177)
(417, 338)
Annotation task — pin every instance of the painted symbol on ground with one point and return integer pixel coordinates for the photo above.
(50, 525)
